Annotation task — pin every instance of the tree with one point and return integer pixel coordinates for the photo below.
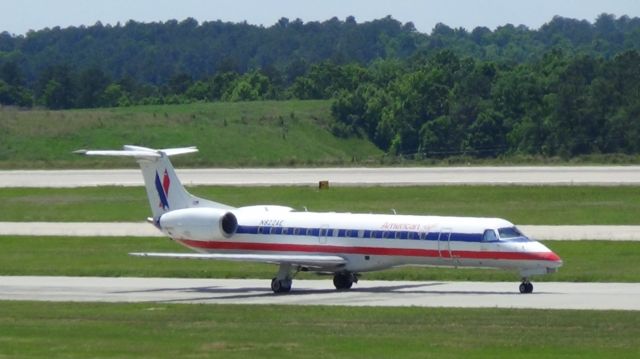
(91, 87)
(115, 96)
(58, 88)
(56, 96)
(242, 91)
(11, 74)
(199, 90)
(179, 83)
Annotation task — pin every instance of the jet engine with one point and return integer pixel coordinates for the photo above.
(199, 224)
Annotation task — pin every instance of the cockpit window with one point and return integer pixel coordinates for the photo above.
(508, 233)
(489, 236)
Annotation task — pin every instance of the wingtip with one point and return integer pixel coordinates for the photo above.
(80, 152)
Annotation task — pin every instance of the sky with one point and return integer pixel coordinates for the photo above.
(19, 16)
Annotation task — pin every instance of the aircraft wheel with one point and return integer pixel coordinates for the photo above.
(280, 286)
(275, 285)
(523, 288)
(526, 287)
(343, 281)
(529, 288)
(285, 286)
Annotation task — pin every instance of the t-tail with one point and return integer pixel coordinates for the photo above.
(164, 190)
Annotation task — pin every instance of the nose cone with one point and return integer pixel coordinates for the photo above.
(552, 260)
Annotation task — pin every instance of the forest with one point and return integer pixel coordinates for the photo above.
(569, 88)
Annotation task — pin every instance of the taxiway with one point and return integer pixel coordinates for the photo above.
(383, 176)
(549, 295)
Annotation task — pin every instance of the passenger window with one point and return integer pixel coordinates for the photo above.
(489, 236)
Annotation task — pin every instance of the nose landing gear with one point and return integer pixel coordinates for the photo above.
(526, 287)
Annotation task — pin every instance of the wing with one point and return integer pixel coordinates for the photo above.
(317, 261)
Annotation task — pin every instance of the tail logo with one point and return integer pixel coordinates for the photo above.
(163, 189)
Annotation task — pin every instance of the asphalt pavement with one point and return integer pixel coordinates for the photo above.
(384, 176)
(546, 295)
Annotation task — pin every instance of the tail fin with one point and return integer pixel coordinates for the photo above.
(164, 190)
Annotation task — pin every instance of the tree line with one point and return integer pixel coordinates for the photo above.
(445, 105)
(568, 88)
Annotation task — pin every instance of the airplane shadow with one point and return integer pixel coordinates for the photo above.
(219, 293)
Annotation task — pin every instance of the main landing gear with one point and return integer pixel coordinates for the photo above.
(344, 280)
(526, 287)
(281, 283)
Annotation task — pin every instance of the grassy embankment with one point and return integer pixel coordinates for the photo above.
(33, 330)
(258, 133)
(266, 133)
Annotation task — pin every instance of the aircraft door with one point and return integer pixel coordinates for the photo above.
(323, 234)
(444, 245)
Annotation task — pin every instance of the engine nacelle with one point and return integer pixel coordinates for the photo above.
(200, 224)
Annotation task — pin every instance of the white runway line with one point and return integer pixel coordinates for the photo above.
(552, 295)
(143, 229)
(385, 176)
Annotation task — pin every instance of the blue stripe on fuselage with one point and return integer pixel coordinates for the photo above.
(366, 234)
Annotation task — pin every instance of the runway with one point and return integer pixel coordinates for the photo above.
(553, 295)
(384, 176)
(143, 229)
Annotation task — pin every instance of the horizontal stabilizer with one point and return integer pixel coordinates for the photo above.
(117, 153)
(303, 260)
(138, 152)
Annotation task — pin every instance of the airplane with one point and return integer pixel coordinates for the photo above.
(340, 244)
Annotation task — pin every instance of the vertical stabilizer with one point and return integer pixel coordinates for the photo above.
(164, 190)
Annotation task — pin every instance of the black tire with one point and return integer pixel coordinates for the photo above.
(343, 281)
(276, 285)
(523, 288)
(280, 286)
(285, 286)
(529, 288)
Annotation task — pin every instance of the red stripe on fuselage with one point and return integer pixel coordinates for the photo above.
(406, 252)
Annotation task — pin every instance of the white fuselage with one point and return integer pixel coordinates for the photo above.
(372, 241)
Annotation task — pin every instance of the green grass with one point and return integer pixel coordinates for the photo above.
(80, 330)
(262, 133)
(585, 261)
(519, 204)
